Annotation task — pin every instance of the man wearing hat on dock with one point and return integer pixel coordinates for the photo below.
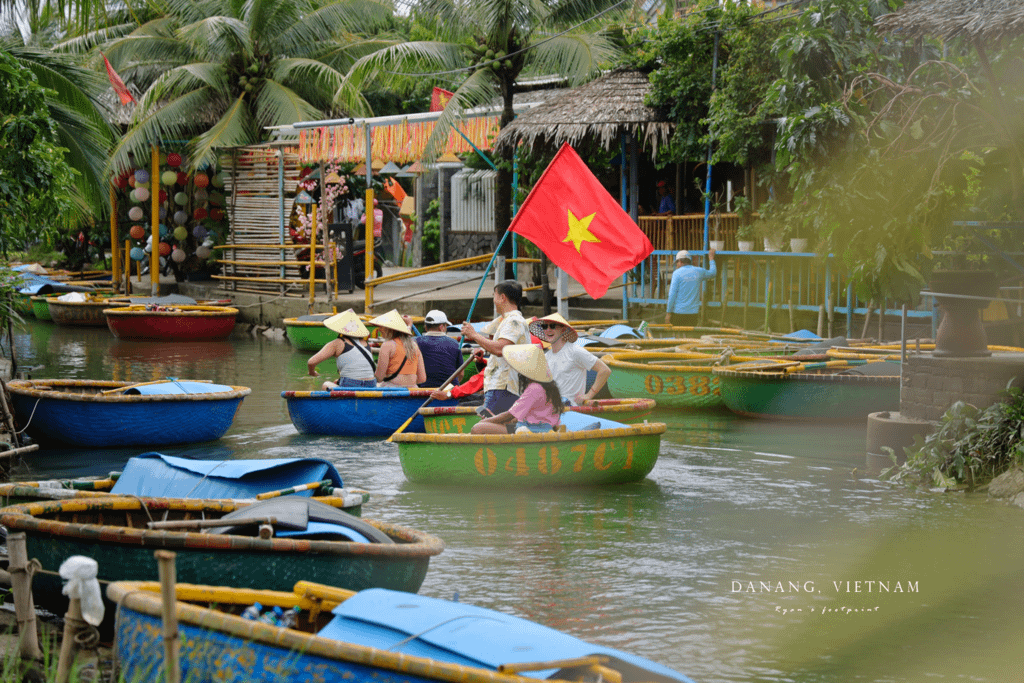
(441, 354)
(501, 382)
(684, 293)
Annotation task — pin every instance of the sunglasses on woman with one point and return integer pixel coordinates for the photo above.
(549, 326)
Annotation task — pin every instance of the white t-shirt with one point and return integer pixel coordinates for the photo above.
(569, 368)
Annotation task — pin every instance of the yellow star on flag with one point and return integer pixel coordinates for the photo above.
(579, 230)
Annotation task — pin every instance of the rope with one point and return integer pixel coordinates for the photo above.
(203, 479)
(33, 414)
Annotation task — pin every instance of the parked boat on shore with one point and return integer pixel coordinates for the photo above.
(145, 322)
(101, 414)
(361, 412)
(373, 635)
(460, 419)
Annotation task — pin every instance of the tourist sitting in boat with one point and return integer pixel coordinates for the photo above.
(569, 363)
(466, 391)
(399, 362)
(355, 362)
(441, 354)
(539, 406)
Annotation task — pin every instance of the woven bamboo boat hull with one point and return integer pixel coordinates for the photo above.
(76, 413)
(460, 419)
(41, 307)
(182, 323)
(82, 313)
(112, 530)
(356, 413)
(808, 396)
(372, 637)
(600, 456)
(308, 335)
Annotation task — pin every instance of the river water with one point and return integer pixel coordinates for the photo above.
(754, 551)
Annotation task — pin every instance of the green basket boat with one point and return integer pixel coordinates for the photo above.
(674, 380)
(588, 458)
(460, 419)
(307, 332)
(113, 531)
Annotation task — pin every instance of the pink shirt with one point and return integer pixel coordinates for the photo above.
(533, 406)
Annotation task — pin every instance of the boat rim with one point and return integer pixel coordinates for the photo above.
(41, 388)
(188, 310)
(644, 429)
(614, 405)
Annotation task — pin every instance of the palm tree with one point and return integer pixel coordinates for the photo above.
(220, 71)
(490, 43)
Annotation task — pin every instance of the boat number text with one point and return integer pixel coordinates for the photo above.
(697, 385)
(549, 460)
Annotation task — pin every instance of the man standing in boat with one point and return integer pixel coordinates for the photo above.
(501, 382)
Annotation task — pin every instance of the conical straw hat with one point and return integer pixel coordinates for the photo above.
(393, 321)
(527, 360)
(348, 324)
(569, 335)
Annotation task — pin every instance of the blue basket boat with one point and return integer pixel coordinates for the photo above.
(361, 412)
(375, 635)
(106, 414)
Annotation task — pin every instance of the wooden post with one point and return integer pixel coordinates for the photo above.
(724, 285)
(154, 202)
(368, 230)
(73, 623)
(312, 261)
(881, 321)
(821, 319)
(831, 315)
(115, 256)
(792, 316)
(169, 608)
(21, 586)
(127, 267)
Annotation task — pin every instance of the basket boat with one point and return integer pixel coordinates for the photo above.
(837, 390)
(373, 635)
(83, 313)
(105, 414)
(369, 412)
(584, 458)
(171, 323)
(307, 332)
(460, 419)
(316, 544)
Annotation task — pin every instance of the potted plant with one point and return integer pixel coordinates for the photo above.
(745, 232)
(772, 231)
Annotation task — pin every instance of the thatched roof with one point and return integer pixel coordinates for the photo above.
(973, 19)
(599, 111)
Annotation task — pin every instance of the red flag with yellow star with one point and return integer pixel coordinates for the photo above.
(582, 229)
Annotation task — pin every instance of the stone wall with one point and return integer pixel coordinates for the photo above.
(464, 244)
(931, 385)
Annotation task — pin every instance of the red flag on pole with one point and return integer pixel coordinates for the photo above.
(582, 229)
(439, 99)
(115, 80)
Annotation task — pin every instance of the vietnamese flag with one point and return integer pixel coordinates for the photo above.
(439, 98)
(582, 229)
(117, 83)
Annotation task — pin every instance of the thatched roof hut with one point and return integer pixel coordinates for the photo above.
(976, 20)
(597, 112)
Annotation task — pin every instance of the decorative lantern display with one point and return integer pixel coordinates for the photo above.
(163, 262)
(200, 196)
(178, 255)
(200, 180)
(200, 232)
(148, 248)
(180, 217)
(163, 158)
(137, 232)
(136, 213)
(141, 194)
(163, 213)
(218, 180)
(180, 198)
(163, 197)
(168, 177)
(204, 252)
(121, 181)
(180, 233)
(199, 214)
(131, 179)
(134, 197)
(163, 231)
(142, 176)
(137, 254)
(217, 214)
(173, 159)
(165, 249)
(182, 178)
(216, 198)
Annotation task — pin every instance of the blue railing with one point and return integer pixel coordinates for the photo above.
(761, 282)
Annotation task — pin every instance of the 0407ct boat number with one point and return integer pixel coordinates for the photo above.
(696, 385)
(549, 460)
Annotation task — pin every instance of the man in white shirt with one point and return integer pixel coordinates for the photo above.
(501, 382)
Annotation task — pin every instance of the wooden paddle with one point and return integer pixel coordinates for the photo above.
(430, 398)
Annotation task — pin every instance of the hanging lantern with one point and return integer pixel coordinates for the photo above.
(199, 214)
(180, 217)
(180, 233)
(178, 255)
(142, 176)
(131, 180)
(217, 214)
(137, 232)
(216, 198)
(163, 231)
(139, 184)
(168, 177)
(137, 254)
(136, 213)
(149, 249)
(173, 159)
(181, 199)
(121, 181)
(134, 197)
(200, 196)
(219, 180)
(141, 194)
(204, 252)
(163, 196)
(200, 180)
(163, 213)
(165, 249)
(182, 178)
(200, 232)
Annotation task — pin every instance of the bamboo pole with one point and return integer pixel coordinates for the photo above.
(115, 256)
(831, 315)
(154, 202)
(867, 319)
(312, 261)
(73, 624)
(127, 267)
(368, 239)
(821, 319)
(21, 586)
(169, 604)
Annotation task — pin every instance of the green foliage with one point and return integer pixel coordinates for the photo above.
(36, 181)
(432, 233)
(969, 447)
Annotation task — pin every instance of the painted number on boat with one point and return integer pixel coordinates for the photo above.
(550, 460)
(697, 385)
(453, 425)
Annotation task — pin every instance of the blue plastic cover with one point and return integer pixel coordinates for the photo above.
(322, 529)
(802, 334)
(463, 634)
(575, 422)
(617, 331)
(164, 476)
(177, 387)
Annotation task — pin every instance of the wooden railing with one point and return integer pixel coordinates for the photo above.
(672, 233)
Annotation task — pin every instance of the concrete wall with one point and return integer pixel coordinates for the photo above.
(932, 385)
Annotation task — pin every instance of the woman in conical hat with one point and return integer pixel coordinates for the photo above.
(355, 363)
(399, 363)
(569, 363)
(539, 405)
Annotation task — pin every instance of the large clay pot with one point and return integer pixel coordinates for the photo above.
(961, 332)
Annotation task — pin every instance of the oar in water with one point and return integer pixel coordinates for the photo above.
(430, 398)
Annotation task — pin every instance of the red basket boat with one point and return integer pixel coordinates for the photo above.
(171, 323)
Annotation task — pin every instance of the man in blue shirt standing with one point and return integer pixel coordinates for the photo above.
(684, 294)
(666, 205)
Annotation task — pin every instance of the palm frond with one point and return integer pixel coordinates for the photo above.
(268, 19)
(84, 43)
(403, 59)
(234, 129)
(217, 36)
(345, 52)
(577, 56)
(276, 104)
(188, 77)
(313, 79)
(476, 91)
(359, 16)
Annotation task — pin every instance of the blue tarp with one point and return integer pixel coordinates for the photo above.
(575, 422)
(464, 634)
(619, 331)
(177, 387)
(30, 283)
(164, 476)
(322, 529)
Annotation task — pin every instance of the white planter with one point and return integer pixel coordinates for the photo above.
(745, 245)
(798, 245)
(718, 245)
(773, 244)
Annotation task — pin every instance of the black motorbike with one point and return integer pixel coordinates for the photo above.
(359, 262)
